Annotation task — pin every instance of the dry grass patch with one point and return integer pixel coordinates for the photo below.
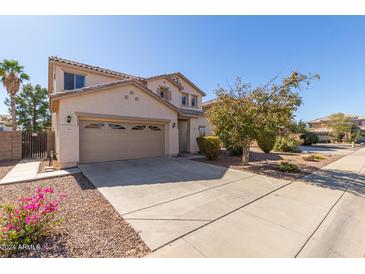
(314, 157)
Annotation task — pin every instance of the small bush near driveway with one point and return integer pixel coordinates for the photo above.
(210, 146)
(288, 167)
(286, 144)
(309, 138)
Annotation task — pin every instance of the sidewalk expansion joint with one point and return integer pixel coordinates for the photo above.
(329, 211)
(224, 215)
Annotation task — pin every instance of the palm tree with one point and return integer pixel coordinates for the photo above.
(11, 76)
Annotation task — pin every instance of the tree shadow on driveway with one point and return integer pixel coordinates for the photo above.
(337, 180)
(154, 171)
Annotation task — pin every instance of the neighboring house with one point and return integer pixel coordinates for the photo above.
(209, 103)
(5, 120)
(103, 115)
(318, 126)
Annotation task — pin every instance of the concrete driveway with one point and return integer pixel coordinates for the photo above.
(184, 208)
(335, 149)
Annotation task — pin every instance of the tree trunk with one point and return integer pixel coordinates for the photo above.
(245, 154)
(34, 119)
(12, 109)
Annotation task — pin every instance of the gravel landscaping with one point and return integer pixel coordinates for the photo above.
(267, 163)
(91, 227)
(5, 167)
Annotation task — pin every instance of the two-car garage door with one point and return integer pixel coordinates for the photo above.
(108, 141)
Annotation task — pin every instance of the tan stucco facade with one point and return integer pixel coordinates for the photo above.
(116, 104)
(133, 102)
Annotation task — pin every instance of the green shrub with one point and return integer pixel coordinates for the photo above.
(210, 146)
(266, 142)
(309, 138)
(355, 136)
(286, 144)
(233, 149)
(288, 167)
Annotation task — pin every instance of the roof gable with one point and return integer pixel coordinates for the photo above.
(179, 74)
(168, 78)
(96, 88)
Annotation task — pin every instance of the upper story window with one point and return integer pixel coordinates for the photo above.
(194, 101)
(163, 92)
(73, 81)
(184, 99)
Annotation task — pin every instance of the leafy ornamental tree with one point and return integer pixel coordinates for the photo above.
(242, 114)
(31, 107)
(299, 127)
(340, 125)
(6, 121)
(11, 76)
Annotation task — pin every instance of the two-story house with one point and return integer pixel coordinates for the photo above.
(103, 115)
(320, 128)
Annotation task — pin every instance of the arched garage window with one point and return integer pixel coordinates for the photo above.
(95, 125)
(138, 127)
(116, 126)
(154, 128)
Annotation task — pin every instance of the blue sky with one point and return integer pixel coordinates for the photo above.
(209, 50)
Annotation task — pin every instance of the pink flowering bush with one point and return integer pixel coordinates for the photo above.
(28, 219)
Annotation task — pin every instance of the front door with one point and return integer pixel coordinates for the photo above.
(182, 126)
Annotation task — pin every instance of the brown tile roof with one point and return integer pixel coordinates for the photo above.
(125, 75)
(210, 102)
(95, 68)
(353, 117)
(191, 112)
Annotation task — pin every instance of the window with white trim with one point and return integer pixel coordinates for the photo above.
(184, 99)
(73, 81)
(194, 101)
(201, 131)
(163, 92)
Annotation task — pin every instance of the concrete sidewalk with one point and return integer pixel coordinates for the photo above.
(23, 171)
(27, 170)
(319, 216)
